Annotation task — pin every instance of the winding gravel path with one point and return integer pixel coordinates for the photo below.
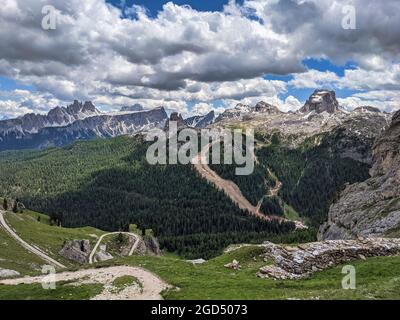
(134, 246)
(26, 245)
(150, 287)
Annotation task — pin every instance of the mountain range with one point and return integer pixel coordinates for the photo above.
(78, 121)
(83, 121)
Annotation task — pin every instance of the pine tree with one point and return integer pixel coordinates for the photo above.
(5, 204)
(15, 207)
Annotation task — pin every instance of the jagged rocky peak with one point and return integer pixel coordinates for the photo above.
(201, 121)
(321, 101)
(371, 208)
(367, 109)
(266, 108)
(135, 108)
(58, 116)
(78, 108)
(176, 117)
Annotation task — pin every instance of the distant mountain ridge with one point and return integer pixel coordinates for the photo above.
(78, 121)
(57, 117)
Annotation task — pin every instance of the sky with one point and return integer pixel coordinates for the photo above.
(197, 56)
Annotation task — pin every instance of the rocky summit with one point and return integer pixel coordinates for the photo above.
(306, 259)
(371, 208)
(321, 101)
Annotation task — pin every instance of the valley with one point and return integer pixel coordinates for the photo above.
(302, 162)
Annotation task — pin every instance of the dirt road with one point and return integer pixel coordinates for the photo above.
(26, 245)
(134, 246)
(148, 288)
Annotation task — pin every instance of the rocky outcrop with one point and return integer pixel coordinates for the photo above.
(148, 245)
(237, 113)
(371, 208)
(321, 101)
(306, 259)
(102, 254)
(7, 273)
(266, 108)
(235, 265)
(152, 245)
(77, 251)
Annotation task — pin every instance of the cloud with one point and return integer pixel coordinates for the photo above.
(205, 108)
(355, 79)
(19, 102)
(289, 15)
(314, 28)
(113, 56)
(314, 79)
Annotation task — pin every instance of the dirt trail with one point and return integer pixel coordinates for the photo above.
(27, 246)
(150, 286)
(134, 246)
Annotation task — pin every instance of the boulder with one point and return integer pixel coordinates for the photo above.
(77, 251)
(7, 273)
(235, 265)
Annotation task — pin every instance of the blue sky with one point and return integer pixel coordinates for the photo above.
(213, 54)
(154, 6)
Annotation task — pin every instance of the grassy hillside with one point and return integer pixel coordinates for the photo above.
(48, 238)
(63, 291)
(108, 184)
(377, 278)
(15, 257)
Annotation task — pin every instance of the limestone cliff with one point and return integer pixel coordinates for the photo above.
(371, 208)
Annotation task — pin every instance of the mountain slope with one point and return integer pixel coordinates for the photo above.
(372, 207)
(108, 184)
(313, 153)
